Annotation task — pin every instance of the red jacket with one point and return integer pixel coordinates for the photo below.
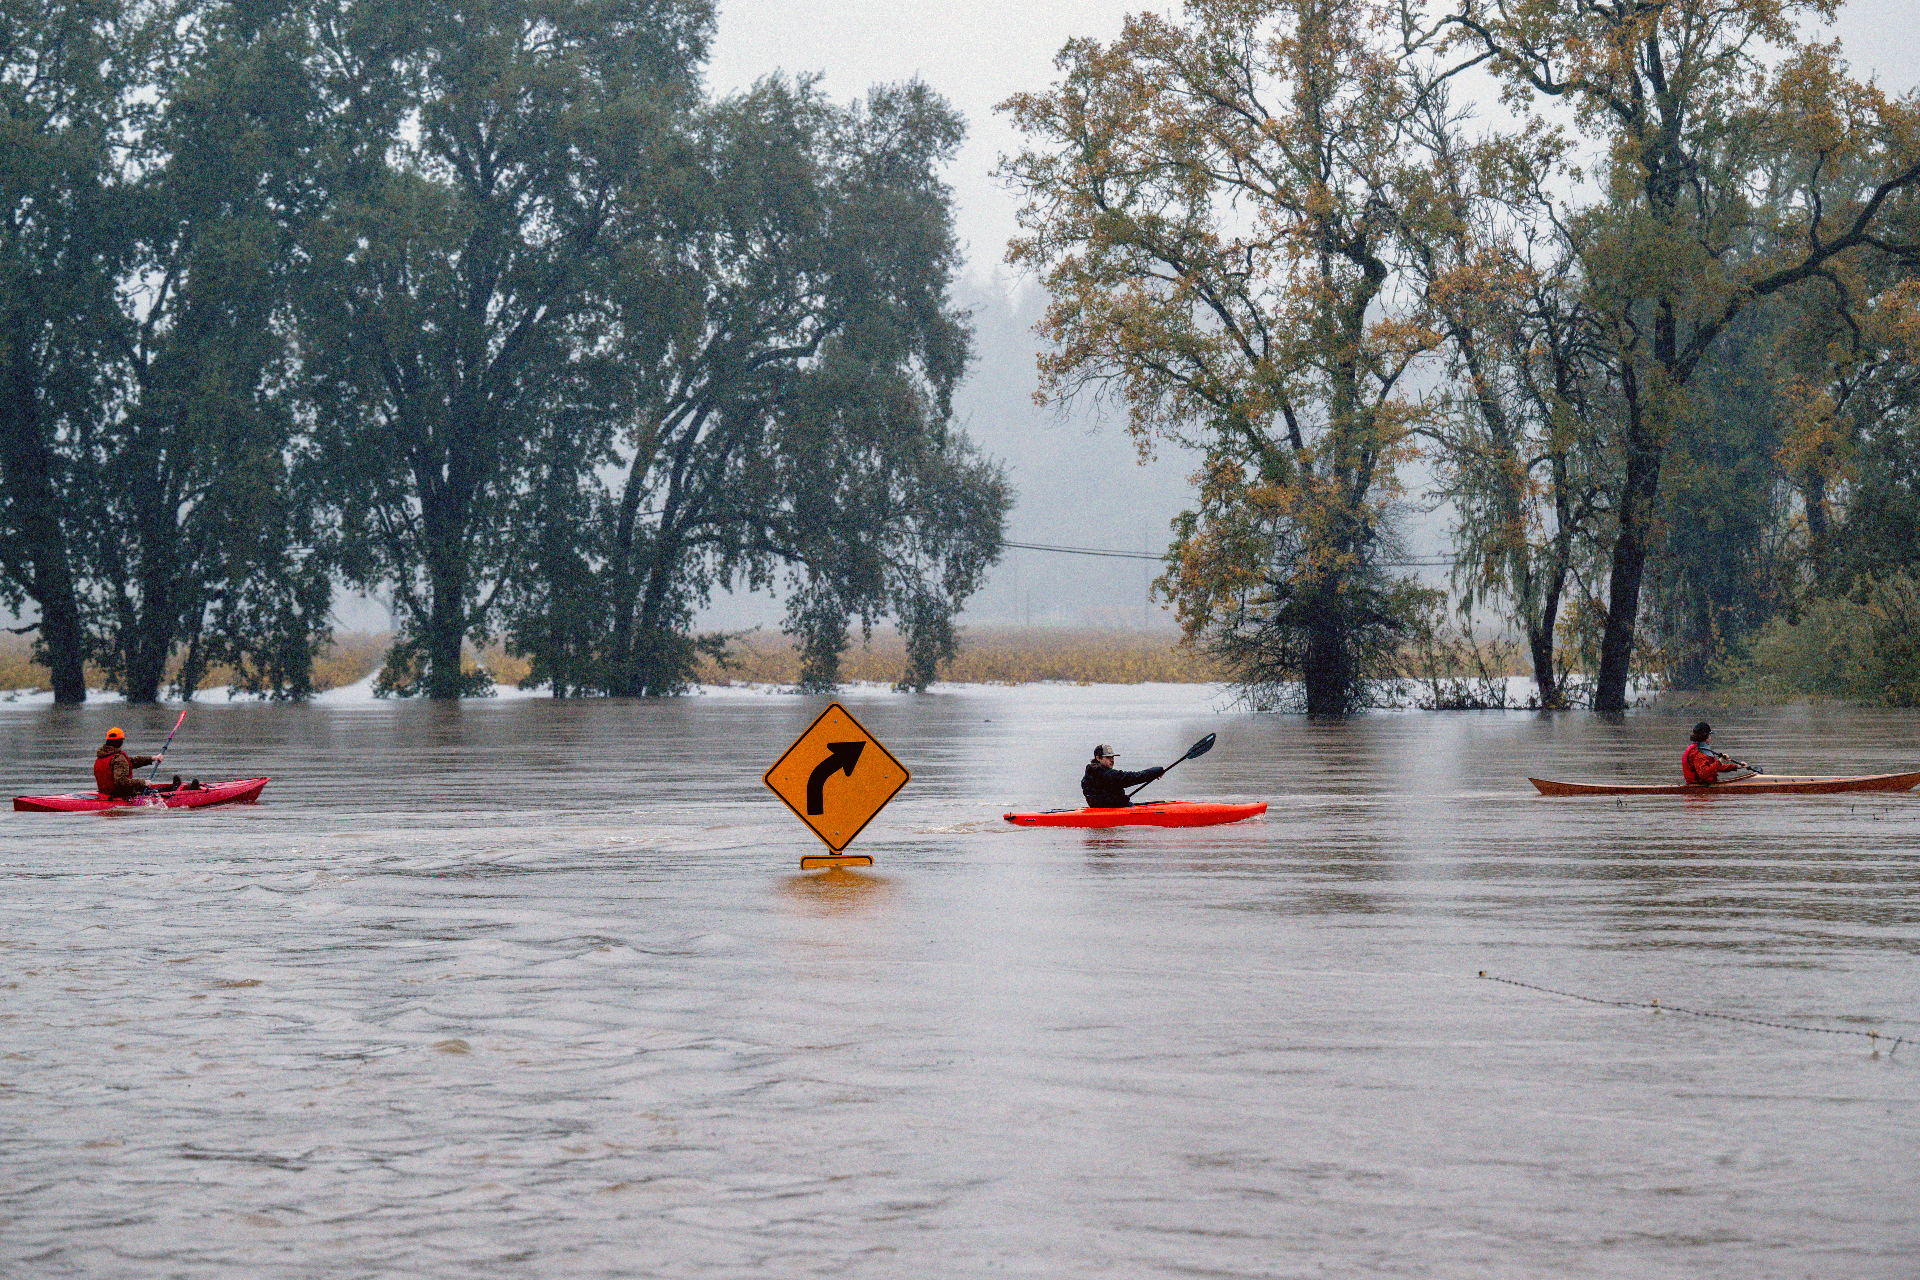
(1699, 766)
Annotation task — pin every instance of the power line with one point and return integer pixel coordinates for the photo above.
(1873, 1037)
(1111, 554)
(1082, 551)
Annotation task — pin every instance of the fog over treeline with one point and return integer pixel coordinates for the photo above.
(1077, 480)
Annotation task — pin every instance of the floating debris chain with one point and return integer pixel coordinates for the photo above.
(1657, 1007)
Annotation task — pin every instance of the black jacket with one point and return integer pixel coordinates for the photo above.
(1105, 786)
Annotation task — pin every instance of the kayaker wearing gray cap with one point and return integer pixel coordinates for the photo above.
(1105, 787)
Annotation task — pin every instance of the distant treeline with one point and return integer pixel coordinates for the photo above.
(487, 307)
(1640, 280)
(491, 309)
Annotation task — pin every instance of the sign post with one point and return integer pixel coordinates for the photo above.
(835, 777)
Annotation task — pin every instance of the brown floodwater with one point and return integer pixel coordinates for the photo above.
(526, 988)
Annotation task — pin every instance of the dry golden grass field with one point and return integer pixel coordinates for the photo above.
(988, 655)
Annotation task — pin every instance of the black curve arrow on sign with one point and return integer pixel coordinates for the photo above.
(841, 757)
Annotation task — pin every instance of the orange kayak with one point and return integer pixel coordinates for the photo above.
(1764, 784)
(1156, 813)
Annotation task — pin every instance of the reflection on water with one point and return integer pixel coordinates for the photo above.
(532, 988)
(837, 891)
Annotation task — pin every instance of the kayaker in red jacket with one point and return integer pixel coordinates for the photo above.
(113, 769)
(1105, 787)
(1701, 765)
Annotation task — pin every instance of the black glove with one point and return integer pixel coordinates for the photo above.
(1157, 771)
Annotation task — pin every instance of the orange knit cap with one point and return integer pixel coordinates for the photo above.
(114, 733)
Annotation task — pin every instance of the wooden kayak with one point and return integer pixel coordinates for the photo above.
(1764, 784)
(1154, 813)
(240, 791)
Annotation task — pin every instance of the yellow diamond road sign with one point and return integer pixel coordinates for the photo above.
(836, 776)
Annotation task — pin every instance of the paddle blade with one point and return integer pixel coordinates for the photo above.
(1199, 748)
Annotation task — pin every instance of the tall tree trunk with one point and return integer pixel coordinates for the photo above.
(1813, 492)
(146, 654)
(62, 638)
(1629, 553)
(149, 634)
(1326, 677)
(1540, 638)
(446, 623)
(27, 470)
(652, 665)
(623, 587)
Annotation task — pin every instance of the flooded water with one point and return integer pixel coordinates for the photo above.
(521, 988)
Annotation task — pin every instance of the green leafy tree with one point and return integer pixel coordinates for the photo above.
(1718, 574)
(1704, 150)
(206, 555)
(1517, 446)
(503, 162)
(70, 75)
(793, 356)
(1845, 374)
(1220, 209)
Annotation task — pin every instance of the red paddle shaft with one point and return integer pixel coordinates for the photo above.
(155, 771)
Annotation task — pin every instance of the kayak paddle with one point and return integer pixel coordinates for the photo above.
(1194, 752)
(1721, 755)
(155, 771)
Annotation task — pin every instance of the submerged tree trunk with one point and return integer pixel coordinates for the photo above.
(27, 470)
(1644, 453)
(1540, 637)
(146, 615)
(445, 628)
(1328, 672)
(149, 638)
(653, 662)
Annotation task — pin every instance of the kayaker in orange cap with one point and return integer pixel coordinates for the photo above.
(1105, 787)
(1701, 765)
(113, 769)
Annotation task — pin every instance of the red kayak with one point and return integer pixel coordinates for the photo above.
(242, 791)
(1156, 813)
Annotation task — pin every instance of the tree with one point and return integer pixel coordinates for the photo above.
(1845, 371)
(1219, 211)
(1517, 452)
(193, 466)
(500, 163)
(69, 80)
(1694, 126)
(1719, 572)
(795, 361)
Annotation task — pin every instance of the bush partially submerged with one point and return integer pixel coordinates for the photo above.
(1864, 648)
(1450, 667)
